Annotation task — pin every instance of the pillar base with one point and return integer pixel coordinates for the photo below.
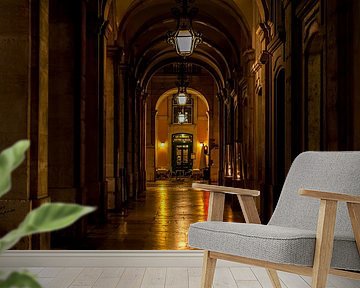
(12, 213)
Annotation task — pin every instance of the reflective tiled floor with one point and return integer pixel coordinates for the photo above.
(158, 220)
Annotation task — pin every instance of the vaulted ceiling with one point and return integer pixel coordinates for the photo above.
(224, 24)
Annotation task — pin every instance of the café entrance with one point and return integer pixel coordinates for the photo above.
(182, 145)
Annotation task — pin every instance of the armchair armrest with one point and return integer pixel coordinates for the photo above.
(330, 196)
(226, 190)
(326, 226)
(217, 198)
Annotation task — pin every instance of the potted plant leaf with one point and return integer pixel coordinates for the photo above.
(48, 217)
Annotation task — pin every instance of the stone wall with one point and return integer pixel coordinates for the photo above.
(24, 107)
(63, 98)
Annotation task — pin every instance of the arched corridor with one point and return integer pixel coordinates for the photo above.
(118, 111)
(178, 148)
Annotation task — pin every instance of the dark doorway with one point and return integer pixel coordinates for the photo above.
(182, 144)
(279, 134)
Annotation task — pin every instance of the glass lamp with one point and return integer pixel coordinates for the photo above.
(181, 117)
(185, 39)
(181, 98)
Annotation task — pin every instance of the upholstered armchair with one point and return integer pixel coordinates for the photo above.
(314, 230)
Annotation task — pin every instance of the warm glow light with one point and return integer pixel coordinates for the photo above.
(162, 144)
(181, 98)
(229, 170)
(184, 41)
(181, 117)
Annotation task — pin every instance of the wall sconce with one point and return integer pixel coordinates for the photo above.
(206, 149)
(162, 144)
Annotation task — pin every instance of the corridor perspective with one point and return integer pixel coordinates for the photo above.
(158, 220)
(128, 102)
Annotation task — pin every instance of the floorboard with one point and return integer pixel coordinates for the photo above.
(154, 278)
(132, 277)
(177, 278)
(170, 277)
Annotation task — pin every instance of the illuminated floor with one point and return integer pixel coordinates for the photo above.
(159, 220)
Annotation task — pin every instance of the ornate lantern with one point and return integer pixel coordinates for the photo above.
(185, 39)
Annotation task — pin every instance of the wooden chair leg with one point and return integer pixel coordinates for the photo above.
(208, 271)
(324, 243)
(354, 212)
(251, 215)
(274, 278)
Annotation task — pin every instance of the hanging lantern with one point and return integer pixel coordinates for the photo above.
(181, 98)
(185, 39)
(181, 118)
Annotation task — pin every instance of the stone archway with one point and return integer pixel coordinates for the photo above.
(159, 154)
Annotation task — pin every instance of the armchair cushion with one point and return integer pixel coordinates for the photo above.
(270, 243)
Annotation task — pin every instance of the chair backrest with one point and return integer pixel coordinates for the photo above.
(325, 171)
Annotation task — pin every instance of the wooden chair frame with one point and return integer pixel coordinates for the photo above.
(324, 235)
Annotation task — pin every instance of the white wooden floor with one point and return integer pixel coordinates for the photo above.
(170, 277)
(157, 271)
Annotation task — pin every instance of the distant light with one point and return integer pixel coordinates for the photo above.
(184, 42)
(181, 118)
(181, 98)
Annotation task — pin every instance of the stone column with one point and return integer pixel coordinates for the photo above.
(263, 113)
(81, 119)
(129, 138)
(150, 141)
(102, 33)
(143, 141)
(65, 117)
(39, 110)
(228, 136)
(122, 85)
(292, 147)
(248, 106)
(213, 165)
(136, 141)
(220, 97)
(24, 108)
(111, 138)
(94, 112)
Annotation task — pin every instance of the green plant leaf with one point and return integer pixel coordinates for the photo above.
(19, 280)
(48, 217)
(11, 158)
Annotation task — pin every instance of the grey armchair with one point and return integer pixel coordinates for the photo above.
(311, 232)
